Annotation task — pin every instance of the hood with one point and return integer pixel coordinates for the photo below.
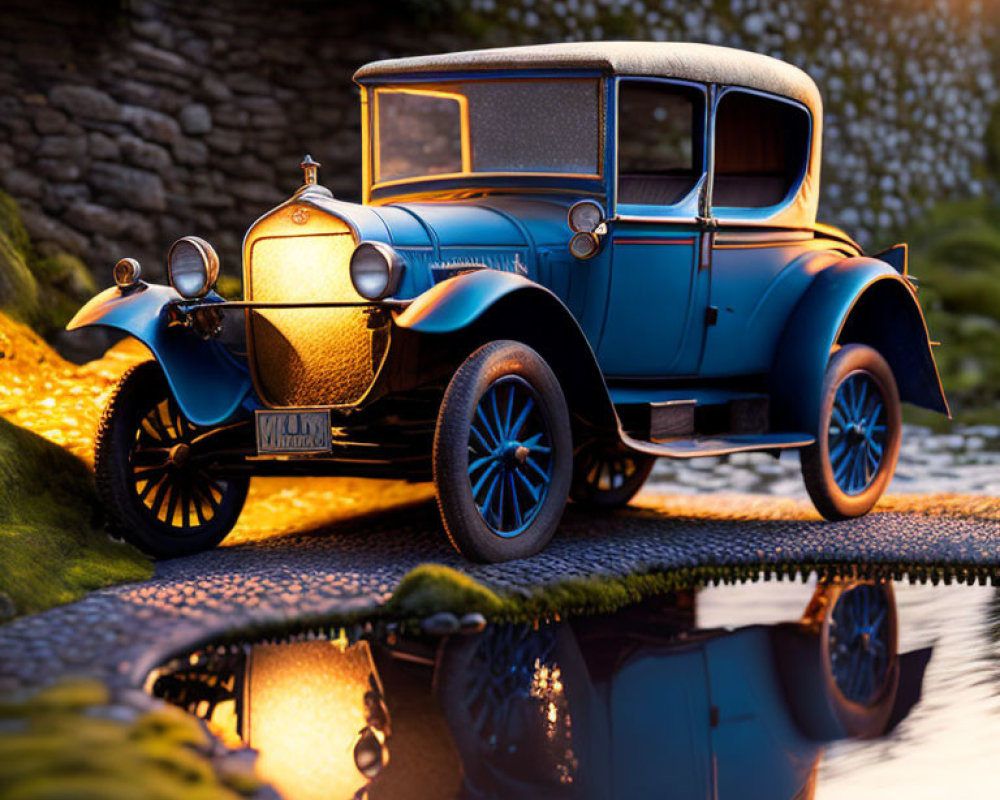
(498, 221)
(438, 239)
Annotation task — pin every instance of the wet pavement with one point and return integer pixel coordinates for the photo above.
(765, 690)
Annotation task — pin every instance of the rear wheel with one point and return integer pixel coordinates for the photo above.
(608, 476)
(854, 457)
(502, 453)
(159, 492)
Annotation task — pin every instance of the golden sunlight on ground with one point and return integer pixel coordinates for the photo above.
(52, 397)
(763, 507)
(62, 402)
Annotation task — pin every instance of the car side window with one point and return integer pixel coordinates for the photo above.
(660, 142)
(761, 148)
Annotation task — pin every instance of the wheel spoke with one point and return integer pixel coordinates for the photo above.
(160, 495)
(151, 484)
(500, 502)
(510, 413)
(533, 445)
(515, 506)
(487, 428)
(527, 484)
(501, 433)
(175, 491)
(482, 462)
(519, 422)
(477, 489)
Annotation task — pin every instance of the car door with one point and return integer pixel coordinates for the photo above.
(658, 292)
(762, 147)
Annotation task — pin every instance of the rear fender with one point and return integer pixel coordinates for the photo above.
(858, 300)
(461, 314)
(208, 385)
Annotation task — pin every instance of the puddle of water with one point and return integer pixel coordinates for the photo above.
(766, 690)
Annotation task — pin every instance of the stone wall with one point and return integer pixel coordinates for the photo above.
(124, 126)
(127, 123)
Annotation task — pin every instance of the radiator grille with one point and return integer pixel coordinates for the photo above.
(309, 357)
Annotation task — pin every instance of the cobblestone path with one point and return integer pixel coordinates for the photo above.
(354, 564)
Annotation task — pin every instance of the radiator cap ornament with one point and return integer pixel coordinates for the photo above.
(310, 169)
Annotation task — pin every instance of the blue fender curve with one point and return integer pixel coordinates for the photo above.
(514, 307)
(893, 318)
(206, 382)
(457, 302)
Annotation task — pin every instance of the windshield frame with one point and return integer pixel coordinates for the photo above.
(460, 182)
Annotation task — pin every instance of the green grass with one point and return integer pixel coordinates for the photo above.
(53, 548)
(955, 254)
(54, 745)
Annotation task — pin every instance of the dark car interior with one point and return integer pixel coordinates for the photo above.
(761, 146)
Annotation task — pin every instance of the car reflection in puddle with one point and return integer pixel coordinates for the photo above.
(648, 701)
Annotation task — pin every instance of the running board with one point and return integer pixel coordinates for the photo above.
(698, 446)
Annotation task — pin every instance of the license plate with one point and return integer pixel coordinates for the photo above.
(288, 432)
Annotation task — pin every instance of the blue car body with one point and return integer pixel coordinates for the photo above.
(691, 303)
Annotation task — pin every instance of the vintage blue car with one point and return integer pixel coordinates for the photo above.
(569, 260)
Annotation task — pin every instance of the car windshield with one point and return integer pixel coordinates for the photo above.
(460, 128)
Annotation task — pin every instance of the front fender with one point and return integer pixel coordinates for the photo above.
(857, 300)
(457, 302)
(477, 307)
(206, 382)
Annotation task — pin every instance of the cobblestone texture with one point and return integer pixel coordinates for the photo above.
(120, 633)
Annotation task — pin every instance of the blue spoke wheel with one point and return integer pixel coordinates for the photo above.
(857, 443)
(839, 666)
(502, 453)
(861, 638)
(510, 456)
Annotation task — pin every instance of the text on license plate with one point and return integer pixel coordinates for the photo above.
(293, 432)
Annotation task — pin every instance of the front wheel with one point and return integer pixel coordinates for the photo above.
(860, 425)
(503, 453)
(159, 492)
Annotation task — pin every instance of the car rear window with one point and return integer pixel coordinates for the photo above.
(761, 148)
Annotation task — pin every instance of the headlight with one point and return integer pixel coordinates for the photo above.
(375, 270)
(585, 216)
(192, 266)
(126, 273)
(584, 245)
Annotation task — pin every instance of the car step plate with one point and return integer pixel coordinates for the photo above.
(293, 432)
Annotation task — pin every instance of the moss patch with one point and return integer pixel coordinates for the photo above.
(52, 548)
(58, 744)
(41, 290)
(430, 588)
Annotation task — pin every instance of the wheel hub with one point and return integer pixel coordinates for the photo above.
(179, 454)
(857, 433)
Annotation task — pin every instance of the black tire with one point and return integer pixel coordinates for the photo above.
(849, 484)
(180, 509)
(504, 369)
(608, 477)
